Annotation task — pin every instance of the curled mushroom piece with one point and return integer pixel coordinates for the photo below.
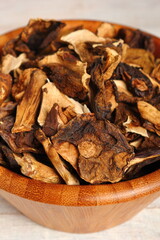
(5, 86)
(39, 33)
(51, 96)
(141, 160)
(77, 40)
(137, 82)
(67, 72)
(104, 101)
(10, 62)
(27, 109)
(131, 127)
(57, 162)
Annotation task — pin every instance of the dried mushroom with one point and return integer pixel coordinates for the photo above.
(106, 30)
(36, 36)
(27, 108)
(101, 157)
(121, 92)
(30, 167)
(77, 40)
(7, 108)
(10, 62)
(57, 162)
(141, 58)
(137, 82)
(18, 142)
(131, 127)
(151, 114)
(51, 96)
(66, 72)
(21, 84)
(78, 107)
(156, 71)
(5, 86)
(136, 39)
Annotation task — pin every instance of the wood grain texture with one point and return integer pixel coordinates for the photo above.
(78, 219)
(63, 207)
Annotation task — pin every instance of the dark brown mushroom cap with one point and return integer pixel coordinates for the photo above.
(136, 39)
(101, 156)
(18, 142)
(137, 82)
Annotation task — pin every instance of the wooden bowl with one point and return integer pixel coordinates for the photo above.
(79, 209)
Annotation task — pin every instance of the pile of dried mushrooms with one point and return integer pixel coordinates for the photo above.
(79, 107)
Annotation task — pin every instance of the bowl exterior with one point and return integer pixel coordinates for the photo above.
(78, 219)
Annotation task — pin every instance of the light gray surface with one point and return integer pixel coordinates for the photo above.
(143, 14)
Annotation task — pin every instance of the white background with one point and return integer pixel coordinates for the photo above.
(143, 14)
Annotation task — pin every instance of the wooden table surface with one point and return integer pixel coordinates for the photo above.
(143, 14)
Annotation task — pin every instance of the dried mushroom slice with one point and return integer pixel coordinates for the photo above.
(103, 99)
(141, 160)
(30, 167)
(151, 114)
(67, 72)
(134, 128)
(39, 33)
(52, 95)
(51, 124)
(10, 62)
(27, 109)
(103, 68)
(152, 142)
(137, 82)
(77, 40)
(127, 119)
(105, 102)
(66, 79)
(2, 161)
(21, 83)
(101, 157)
(5, 86)
(106, 30)
(18, 142)
(156, 71)
(140, 57)
(9, 158)
(57, 162)
(136, 39)
(122, 94)
(7, 108)
(35, 37)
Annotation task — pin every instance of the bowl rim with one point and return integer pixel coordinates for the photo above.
(82, 195)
